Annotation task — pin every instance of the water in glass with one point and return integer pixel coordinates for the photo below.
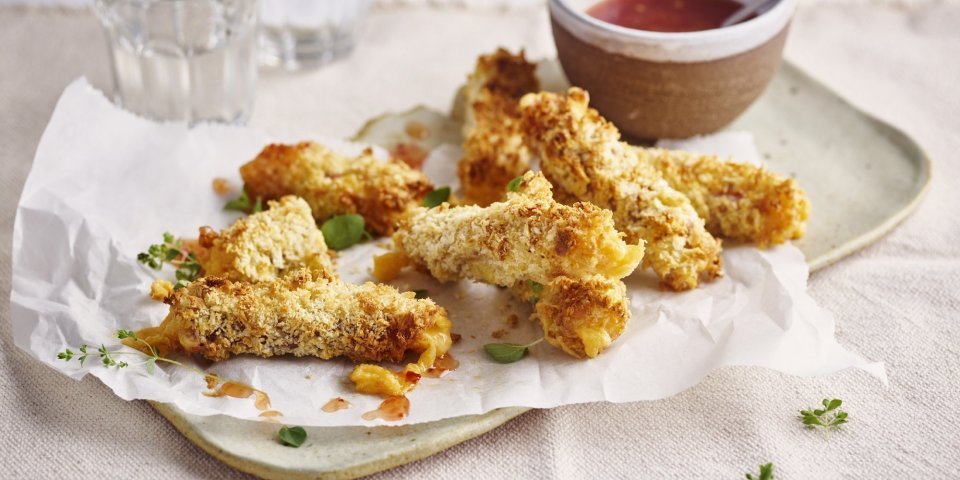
(190, 60)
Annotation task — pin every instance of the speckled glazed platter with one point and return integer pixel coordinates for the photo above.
(863, 177)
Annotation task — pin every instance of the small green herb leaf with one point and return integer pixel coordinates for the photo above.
(766, 473)
(828, 417)
(436, 197)
(243, 203)
(514, 185)
(343, 231)
(150, 364)
(508, 352)
(505, 352)
(536, 289)
(171, 251)
(420, 294)
(292, 436)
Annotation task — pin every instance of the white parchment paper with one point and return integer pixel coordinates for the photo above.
(106, 184)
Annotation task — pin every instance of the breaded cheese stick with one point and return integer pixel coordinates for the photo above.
(582, 155)
(300, 314)
(737, 200)
(569, 257)
(333, 184)
(528, 236)
(494, 151)
(264, 245)
(581, 316)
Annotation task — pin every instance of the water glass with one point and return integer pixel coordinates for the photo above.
(300, 34)
(189, 60)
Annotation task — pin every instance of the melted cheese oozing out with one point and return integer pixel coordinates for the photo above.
(594, 340)
(432, 343)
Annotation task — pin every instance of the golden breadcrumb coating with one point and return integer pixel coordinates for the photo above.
(266, 244)
(300, 314)
(582, 155)
(494, 151)
(573, 254)
(527, 237)
(737, 200)
(333, 184)
(581, 316)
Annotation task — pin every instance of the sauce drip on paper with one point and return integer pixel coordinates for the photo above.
(335, 405)
(391, 410)
(443, 364)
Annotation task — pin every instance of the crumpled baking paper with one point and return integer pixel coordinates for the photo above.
(106, 184)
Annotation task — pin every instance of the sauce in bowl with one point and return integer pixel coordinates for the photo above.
(665, 15)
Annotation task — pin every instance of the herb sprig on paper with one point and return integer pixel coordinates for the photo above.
(171, 252)
(508, 352)
(766, 473)
(829, 417)
(151, 356)
(244, 204)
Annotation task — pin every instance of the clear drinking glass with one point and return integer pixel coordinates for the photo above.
(190, 60)
(298, 34)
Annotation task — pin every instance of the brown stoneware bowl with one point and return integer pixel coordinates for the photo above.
(669, 85)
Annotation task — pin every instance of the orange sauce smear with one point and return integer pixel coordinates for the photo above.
(335, 405)
(392, 409)
(443, 364)
(411, 154)
(240, 390)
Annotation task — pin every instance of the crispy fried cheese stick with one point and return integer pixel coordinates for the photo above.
(494, 151)
(581, 316)
(300, 314)
(266, 244)
(582, 155)
(573, 253)
(527, 237)
(332, 184)
(737, 200)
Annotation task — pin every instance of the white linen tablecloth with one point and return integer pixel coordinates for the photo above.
(896, 301)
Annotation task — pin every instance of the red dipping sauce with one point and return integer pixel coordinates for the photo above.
(665, 15)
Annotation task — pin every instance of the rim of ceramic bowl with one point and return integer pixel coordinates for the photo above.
(702, 45)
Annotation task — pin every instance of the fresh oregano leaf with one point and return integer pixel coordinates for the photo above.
(292, 436)
(508, 352)
(436, 197)
(514, 185)
(343, 231)
(766, 473)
